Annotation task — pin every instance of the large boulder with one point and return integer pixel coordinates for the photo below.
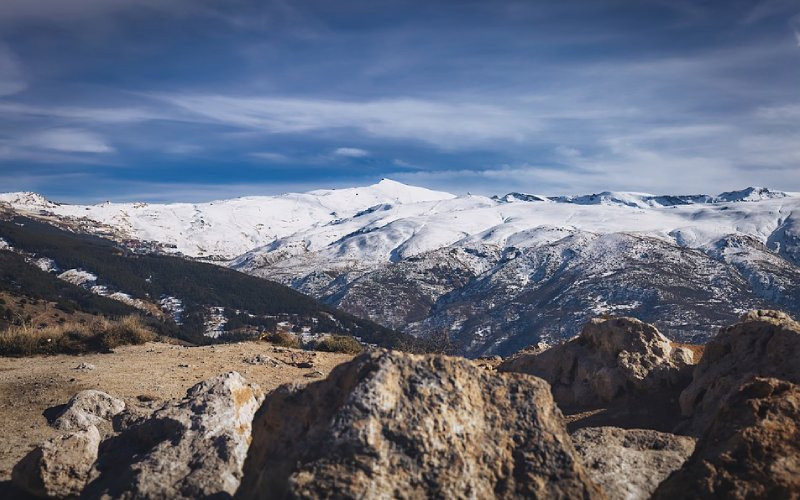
(762, 343)
(395, 425)
(630, 463)
(86, 409)
(187, 449)
(611, 358)
(751, 448)
(60, 467)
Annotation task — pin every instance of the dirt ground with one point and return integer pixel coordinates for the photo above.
(154, 371)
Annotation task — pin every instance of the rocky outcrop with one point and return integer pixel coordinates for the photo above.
(762, 343)
(86, 409)
(389, 424)
(751, 448)
(611, 358)
(630, 463)
(60, 467)
(188, 449)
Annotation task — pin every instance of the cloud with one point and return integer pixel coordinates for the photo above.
(443, 124)
(351, 152)
(269, 156)
(85, 114)
(68, 141)
(12, 79)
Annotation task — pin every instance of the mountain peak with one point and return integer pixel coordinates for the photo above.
(27, 198)
(752, 193)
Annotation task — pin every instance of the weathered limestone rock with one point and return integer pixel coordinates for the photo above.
(395, 425)
(193, 448)
(763, 343)
(86, 409)
(609, 359)
(60, 467)
(630, 463)
(751, 448)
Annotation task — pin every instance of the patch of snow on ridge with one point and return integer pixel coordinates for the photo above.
(78, 277)
(174, 307)
(215, 322)
(46, 265)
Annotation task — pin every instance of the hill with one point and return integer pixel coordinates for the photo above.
(195, 301)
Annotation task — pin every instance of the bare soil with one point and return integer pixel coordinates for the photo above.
(144, 375)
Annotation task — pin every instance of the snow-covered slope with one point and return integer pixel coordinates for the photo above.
(226, 228)
(493, 273)
(401, 231)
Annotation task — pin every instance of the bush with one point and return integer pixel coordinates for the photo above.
(339, 343)
(283, 339)
(98, 335)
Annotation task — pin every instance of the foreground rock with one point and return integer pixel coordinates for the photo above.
(86, 409)
(189, 449)
(611, 358)
(630, 463)
(750, 450)
(60, 467)
(389, 424)
(763, 343)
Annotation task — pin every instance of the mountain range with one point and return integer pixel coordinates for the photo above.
(491, 274)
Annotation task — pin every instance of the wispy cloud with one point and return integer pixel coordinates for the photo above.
(12, 79)
(442, 124)
(269, 156)
(351, 152)
(68, 141)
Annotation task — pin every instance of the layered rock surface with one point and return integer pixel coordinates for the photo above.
(751, 448)
(88, 408)
(61, 466)
(389, 424)
(630, 463)
(763, 343)
(188, 449)
(611, 358)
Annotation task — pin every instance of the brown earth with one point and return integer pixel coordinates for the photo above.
(143, 376)
(34, 312)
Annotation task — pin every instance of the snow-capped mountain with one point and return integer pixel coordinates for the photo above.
(497, 273)
(227, 228)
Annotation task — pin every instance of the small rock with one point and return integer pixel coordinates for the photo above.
(262, 359)
(314, 374)
(86, 409)
(60, 467)
(85, 366)
(630, 463)
(184, 365)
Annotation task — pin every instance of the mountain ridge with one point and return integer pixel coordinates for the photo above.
(491, 274)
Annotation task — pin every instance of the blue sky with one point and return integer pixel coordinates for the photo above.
(199, 99)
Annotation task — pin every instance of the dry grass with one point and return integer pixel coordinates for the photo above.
(96, 335)
(339, 343)
(283, 339)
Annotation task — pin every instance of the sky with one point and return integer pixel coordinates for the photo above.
(192, 100)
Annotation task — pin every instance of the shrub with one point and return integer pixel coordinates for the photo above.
(339, 343)
(97, 335)
(283, 339)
